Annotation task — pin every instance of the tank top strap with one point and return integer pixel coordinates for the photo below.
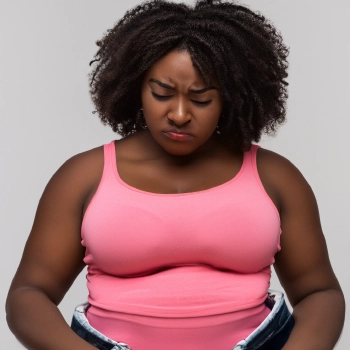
(252, 174)
(253, 152)
(109, 159)
(249, 163)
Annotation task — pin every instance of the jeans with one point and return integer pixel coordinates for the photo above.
(272, 333)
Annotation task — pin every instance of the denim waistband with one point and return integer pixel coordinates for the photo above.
(81, 326)
(272, 333)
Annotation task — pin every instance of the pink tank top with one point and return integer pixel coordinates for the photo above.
(192, 266)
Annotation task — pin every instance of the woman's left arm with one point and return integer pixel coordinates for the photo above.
(303, 265)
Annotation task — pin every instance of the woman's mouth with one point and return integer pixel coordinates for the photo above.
(178, 136)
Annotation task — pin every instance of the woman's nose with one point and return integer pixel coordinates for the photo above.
(179, 115)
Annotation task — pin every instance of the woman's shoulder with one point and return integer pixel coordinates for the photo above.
(281, 177)
(84, 165)
(85, 158)
(276, 166)
(78, 174)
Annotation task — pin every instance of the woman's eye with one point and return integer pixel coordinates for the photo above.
(202, 103)
(161, 98)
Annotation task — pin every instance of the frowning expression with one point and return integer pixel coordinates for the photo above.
(180, 110)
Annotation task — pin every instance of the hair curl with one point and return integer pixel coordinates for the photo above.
(240, 48)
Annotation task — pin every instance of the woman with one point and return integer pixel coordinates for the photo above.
(180, 220)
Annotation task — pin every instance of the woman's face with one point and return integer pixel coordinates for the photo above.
(180, 110)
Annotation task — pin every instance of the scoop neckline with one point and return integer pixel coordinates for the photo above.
(114, 165)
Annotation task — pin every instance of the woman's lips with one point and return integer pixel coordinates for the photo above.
(178, 136)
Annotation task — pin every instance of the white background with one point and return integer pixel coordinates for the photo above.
(45, 114)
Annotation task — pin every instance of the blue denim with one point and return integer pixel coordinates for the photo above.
(272, 333)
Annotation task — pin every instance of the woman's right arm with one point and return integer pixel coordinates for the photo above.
(53, 258)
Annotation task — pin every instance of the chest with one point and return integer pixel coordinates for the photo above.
(157, 176)
(133, 233)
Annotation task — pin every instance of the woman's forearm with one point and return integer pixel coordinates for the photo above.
(38, 324)
(319, 321)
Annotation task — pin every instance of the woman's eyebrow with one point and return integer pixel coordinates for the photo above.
(166, 86)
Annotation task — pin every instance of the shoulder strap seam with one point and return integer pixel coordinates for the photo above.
(258, 179)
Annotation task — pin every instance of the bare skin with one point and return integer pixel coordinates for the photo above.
(150, 161)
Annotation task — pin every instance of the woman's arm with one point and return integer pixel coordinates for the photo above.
(302, 265)
(53, 257)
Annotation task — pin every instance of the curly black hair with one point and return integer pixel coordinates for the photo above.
(228, 42)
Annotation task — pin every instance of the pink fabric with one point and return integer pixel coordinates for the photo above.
(216, 332)
(187, 258)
